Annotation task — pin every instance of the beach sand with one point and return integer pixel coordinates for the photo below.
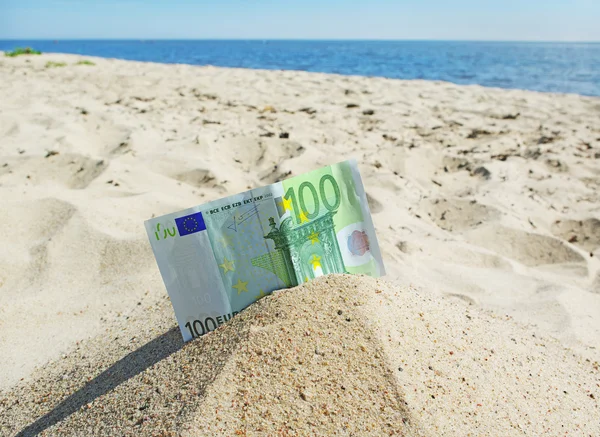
(487, 209)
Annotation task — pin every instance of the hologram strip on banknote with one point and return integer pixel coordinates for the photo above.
(218, 258)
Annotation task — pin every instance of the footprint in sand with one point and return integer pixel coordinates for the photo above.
(527, 248)
(272, 165)
(71, 170)
(38, 219)
(197, 177)
(452, 164)
(458, 214)
(70, 239)
(556, 165)
(584, 234)
(36, 223)
(466, 255)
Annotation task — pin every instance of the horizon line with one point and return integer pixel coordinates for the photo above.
(311, 39)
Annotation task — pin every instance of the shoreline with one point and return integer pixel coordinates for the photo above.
(55, 55)
(321, 71)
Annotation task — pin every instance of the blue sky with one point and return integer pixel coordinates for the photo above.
(525, 20)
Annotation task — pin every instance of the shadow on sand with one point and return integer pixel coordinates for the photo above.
(127, 367)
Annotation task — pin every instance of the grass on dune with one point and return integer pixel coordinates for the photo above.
(85, 62)
(51, 64)
(22, 51)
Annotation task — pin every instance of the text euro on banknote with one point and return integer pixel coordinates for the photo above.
(218, 258)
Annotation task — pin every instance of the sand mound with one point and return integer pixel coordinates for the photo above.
(311, 364)
(298, 362)
(341, 355)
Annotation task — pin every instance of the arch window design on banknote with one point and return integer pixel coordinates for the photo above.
(228, 253)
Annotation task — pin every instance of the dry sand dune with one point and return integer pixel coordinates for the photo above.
(340, 355)
(481, 195)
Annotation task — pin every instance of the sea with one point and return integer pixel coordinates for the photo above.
(547, 67)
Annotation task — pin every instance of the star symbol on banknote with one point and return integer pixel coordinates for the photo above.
(241, 286)
(314, 237)
(261, 294)
(302, 217)
(227, 266)
(315, 261)
(226, 241)
(286, 204)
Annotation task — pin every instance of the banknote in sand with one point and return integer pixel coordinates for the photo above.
(218, 258)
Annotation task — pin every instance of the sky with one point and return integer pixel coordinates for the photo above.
(520, 20)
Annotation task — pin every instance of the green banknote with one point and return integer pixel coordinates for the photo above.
(218, 258)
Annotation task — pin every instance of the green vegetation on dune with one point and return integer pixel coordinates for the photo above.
(22, 51)
(85, 62)
(51, 64)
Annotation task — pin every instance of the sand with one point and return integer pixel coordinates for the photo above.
(487, 208)
(342, 355)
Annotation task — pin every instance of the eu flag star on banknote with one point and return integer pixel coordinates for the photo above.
(218, 258)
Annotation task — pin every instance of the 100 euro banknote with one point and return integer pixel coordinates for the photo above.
(218, 258)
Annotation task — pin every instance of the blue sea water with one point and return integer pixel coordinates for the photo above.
(554, 67)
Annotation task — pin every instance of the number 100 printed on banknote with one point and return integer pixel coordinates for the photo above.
(218, 258)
